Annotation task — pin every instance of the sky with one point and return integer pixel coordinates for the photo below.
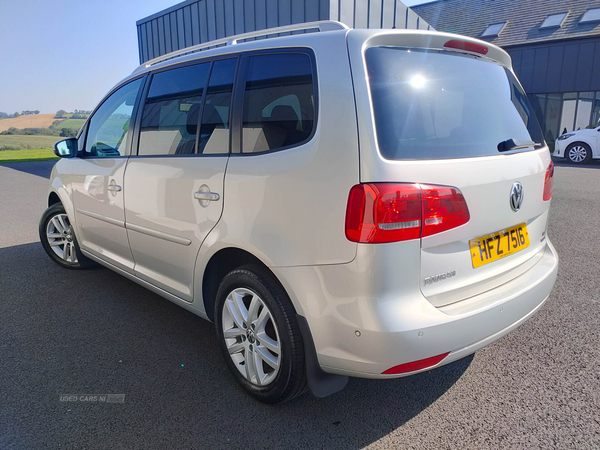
(67, 54)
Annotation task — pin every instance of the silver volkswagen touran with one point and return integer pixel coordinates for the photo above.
(340, 203)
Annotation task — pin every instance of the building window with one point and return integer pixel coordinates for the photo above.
(552, 117)
(591, 15)
(554, 20)
(568, 112)
(584, 110)
(596, 111)
(493, 30)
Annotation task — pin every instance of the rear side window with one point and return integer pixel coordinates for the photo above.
(171, 111)
(279, 109)
(214, 129)
(440, 105)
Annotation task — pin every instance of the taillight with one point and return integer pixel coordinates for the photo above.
(549, 182)
(468, 46)
(385, 212)
(443, 208)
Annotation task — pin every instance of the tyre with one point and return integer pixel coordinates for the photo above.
(259, 335)
(579, 153)
(58, 239)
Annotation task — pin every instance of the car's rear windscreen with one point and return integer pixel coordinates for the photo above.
(442, 104)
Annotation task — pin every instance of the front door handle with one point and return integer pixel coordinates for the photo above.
(210, 196)
(113, 187)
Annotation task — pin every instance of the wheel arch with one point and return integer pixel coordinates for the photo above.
(220, 264)
(58, 194)
(53, 198)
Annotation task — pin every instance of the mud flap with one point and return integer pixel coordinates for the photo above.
(320, 383)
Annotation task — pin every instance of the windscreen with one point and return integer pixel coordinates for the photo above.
(441, 104)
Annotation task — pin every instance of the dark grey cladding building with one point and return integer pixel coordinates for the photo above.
(197, 21)
(554, 45)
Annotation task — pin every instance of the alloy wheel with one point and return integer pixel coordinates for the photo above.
(578, 153)
(61, 239)
(251, 336)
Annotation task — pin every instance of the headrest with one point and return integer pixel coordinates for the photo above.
(286, 116)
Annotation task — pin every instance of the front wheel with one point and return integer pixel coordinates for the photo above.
(259, 335)
(579, 153)
(58, 239)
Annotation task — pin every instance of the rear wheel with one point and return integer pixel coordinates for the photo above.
(58, 239)
(579, 153)
(259, 335)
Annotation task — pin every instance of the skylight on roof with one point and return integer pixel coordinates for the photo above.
(493, 30)
(591, 15)
(554, 20)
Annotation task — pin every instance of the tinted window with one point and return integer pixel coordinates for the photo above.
(279, 108)
(214, 129)
(172, 111)
(433, 105)
(109, 126)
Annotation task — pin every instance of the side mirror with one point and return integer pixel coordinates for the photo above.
(67, 148)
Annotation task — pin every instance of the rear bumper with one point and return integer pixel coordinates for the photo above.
(363, 335)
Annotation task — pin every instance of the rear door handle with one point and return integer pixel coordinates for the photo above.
(210, 196)
(114, 187)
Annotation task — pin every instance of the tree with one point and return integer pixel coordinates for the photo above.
(68, 132)
(16, 114)
(60, 114)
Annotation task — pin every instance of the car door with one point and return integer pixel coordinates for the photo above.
(98, 178)
(174, 186)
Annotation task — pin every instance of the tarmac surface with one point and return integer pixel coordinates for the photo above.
(94, 332)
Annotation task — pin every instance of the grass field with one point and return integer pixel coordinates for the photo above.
(31, 121)
(39, 154)
(74, 124)
(17, 142)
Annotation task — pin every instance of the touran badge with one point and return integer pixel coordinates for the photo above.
(516, 196)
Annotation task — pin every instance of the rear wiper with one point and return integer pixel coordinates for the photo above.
(514, 144)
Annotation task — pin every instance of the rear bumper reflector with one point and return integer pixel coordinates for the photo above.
(416, 365)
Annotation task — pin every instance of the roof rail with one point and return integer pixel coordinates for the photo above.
(322, 25)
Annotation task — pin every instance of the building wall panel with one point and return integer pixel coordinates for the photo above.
(583, 78)
(540, 67)
(197, 21)
(595, 65)
(526, 70)
(572, 66)
(388, 13)
(569, 68)
(400, 15)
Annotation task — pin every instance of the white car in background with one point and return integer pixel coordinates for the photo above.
(579, 146)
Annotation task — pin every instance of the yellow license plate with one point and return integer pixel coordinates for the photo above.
(498, 245)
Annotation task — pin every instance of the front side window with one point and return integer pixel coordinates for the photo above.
(108, 130)
(172, 110)
(279, 103)
(440, 105)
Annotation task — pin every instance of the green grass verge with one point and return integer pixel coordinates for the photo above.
(27, 155)
(74, 124)
(32, 142)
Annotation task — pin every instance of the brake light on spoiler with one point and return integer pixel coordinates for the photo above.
(467, 46)
(385, 212)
